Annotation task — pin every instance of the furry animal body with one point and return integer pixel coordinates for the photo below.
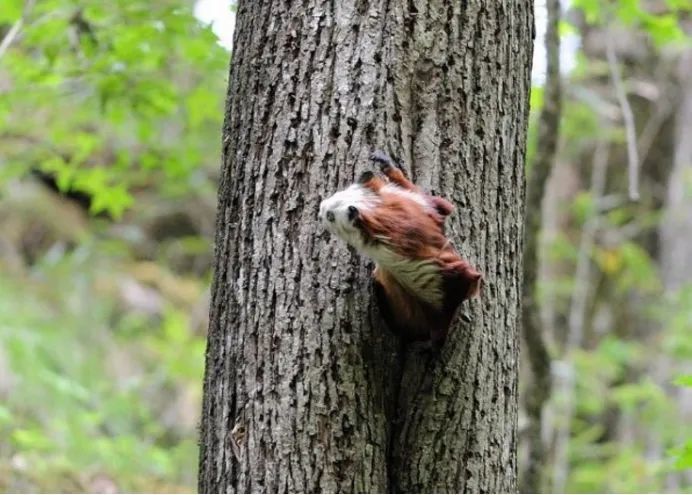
(419, 278)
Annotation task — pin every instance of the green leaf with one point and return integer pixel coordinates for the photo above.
(31, 439)
(583, 206)
(11, 11)
(664, 29)
(683, 380)
(566, 28)
(629, 11)
(536, 99)
(683, 456)
(203, 104)
(591, 9)
(6, 416)
(682, 6)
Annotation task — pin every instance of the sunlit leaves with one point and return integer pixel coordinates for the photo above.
(683, 380)
(682, 456)
(628, 11)
(663, 27)
(11, 11)
(108, 98)
(629, 266)
(591, 9)
(140, 81)
(680, 6)
(202, 105)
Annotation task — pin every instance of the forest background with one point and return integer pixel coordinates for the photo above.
(110, 124)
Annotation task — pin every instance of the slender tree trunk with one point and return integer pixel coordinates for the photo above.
(302, 379)
(675, 255)
(538, 390)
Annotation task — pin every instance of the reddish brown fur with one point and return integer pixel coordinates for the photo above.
(417, 233)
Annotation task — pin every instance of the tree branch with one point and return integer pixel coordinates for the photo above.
(10, 36)
(16, 28)
(628, 118)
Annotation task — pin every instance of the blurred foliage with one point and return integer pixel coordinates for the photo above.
(131, 91)
(631, 371)
(102, 317)
(662, 27)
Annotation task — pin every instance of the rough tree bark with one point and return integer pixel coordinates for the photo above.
(302, 379)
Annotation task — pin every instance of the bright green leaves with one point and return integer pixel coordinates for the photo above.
(683, 456)
(202, 105)
(590, 8)
(11, 11)
(122, 101)
(677, 316)
(628, 11)
(131, 94)
(683, 381)
(662, 27)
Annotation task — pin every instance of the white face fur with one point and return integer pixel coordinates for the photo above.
(339, 212)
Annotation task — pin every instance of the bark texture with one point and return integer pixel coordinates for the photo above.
(302, 385)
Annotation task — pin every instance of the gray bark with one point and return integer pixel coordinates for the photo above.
(302, 379)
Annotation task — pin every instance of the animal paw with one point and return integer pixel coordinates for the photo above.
(383, 159)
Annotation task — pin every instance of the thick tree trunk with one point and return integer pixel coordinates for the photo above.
(302, 380)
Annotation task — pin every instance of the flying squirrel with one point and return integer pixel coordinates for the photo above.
(419, 278)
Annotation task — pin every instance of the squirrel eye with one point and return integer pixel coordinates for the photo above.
(352, 212)
(330, 216)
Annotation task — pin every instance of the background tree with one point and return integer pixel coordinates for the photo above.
(614, 329)
(305, 390)
(537, 392)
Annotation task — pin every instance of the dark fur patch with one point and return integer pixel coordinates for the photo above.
(365, 177)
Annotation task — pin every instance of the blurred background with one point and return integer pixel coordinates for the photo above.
(110, 124)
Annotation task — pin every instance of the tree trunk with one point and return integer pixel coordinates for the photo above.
(302, 378)
(537, 391)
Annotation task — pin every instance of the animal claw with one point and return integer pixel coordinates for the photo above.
(382, 158)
